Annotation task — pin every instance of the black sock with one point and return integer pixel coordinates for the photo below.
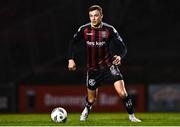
(128, 105)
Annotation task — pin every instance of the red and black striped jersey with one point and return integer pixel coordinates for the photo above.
(100, 43)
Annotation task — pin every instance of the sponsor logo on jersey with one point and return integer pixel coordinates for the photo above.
(89, 34)
(114, 70)
(97, 43)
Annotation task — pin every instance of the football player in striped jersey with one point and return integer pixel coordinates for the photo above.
(104, 52)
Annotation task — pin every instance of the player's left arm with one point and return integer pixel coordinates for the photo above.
(116, 60)
(117, 47)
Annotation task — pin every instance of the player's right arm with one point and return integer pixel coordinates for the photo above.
(78, 36)
(71, 65)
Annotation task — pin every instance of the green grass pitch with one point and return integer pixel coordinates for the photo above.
(95, 119)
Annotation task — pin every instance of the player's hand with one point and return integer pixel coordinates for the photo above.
(71, 65)
(117, 60)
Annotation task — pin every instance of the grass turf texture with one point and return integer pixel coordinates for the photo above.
(95, 119)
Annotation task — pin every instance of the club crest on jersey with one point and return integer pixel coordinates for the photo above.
(92, 82)
(104, 34)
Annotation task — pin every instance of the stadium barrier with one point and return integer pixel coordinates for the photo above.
(8, 98)
(44, 98)
(164, 97)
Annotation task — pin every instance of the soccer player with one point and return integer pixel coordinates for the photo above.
(104, 51)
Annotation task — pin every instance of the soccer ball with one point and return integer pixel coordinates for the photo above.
(59, 115)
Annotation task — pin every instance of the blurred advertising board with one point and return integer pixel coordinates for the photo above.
(44, 98)
(164, 97)
(7, 98)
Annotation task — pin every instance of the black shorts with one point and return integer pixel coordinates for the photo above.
(94, 78)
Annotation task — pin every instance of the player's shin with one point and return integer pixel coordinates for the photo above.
(130, 109)
(128, 105)
(86, 111)
(88, 104)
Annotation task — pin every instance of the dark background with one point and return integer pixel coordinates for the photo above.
(34, 37)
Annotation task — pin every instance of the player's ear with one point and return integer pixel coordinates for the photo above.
(101, 15)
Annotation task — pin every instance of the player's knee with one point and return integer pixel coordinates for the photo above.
(91, 99)
(123, 94)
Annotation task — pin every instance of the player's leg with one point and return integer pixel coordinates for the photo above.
(90, 99)
(92, 94)
(127, 101)
(93, 79)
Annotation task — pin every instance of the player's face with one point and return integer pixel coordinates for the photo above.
(95, 18)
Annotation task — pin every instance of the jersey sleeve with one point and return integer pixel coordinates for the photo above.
(117, 46)
(78, 36)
